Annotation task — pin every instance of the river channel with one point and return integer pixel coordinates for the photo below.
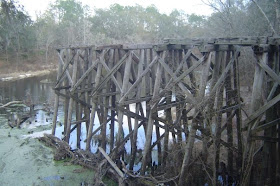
(37, 95)
(23, 159)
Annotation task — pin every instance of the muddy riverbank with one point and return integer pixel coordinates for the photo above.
(22, 75)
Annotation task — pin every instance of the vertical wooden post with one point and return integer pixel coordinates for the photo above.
(66, 107)
(106, 103)
(150, 120)
(256, 102)
(159, 146)
(124, 89)
(229, 99)
(94, 104)
(78, 105)
(218, 116)
(71, 102)
(113, 102)
(201, 94)
(66, 102)
(56, 104)
(78, 118)
(136, 122)
(237, 99)
(269, 148)
(88, 84)
(192, 133)
(167, 114)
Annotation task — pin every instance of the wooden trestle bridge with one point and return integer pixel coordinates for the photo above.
(195, 82)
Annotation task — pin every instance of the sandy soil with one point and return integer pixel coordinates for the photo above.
(22, 75)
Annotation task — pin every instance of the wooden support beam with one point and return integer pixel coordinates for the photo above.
(265, 126)
(102, 61)
(261, 110)
(85, 75)
(56, 104)
(115, 167)
(94, 106)
(65, 68)
(71, 102)
(173, 82)
(150, 120)
(268, 70)
(265, 138)
(139, 79)
(108, 76)
(189, 96)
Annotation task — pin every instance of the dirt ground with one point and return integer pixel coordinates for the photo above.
(34, 66)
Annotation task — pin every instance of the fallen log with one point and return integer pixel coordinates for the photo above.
(121, 176)
(10, 103)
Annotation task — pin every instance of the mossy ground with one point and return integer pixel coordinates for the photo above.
(30, 162)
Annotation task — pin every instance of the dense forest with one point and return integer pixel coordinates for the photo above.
(68, 22)
(235, 83)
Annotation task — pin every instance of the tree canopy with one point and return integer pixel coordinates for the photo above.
(68, 22)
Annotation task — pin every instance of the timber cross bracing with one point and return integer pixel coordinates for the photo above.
(195, 82)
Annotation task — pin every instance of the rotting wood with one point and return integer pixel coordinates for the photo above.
(10, 103)
(150, 120)
(135, 132)
(143, 84)
(120, 173)
(65, 68)
(56, 102)
(93, 108)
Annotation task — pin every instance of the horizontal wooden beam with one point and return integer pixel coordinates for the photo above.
(265, 138)
(261, 110)
(187, 43)
(266, 125)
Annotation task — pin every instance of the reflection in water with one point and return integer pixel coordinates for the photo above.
(38, 91)
(32, 92)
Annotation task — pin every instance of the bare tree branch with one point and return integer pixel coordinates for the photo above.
(263, 13)
(277, 16)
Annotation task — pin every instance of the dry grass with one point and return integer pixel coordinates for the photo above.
(31, 65)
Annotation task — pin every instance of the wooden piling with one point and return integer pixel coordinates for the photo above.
(203, 77)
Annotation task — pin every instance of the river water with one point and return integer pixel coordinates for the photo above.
(24, 160)
(35, 91)
(38, 91)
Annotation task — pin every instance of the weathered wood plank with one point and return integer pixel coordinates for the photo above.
(139, 79)
(56, 104)
(65, 68)
(265, 126)
(138, 94)
(94, 107)
(112, 75)
(271, 73)
(123, 90)
(108, 76)
(71, 102)
(89, 70)
(120, 173)
(150, 120)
